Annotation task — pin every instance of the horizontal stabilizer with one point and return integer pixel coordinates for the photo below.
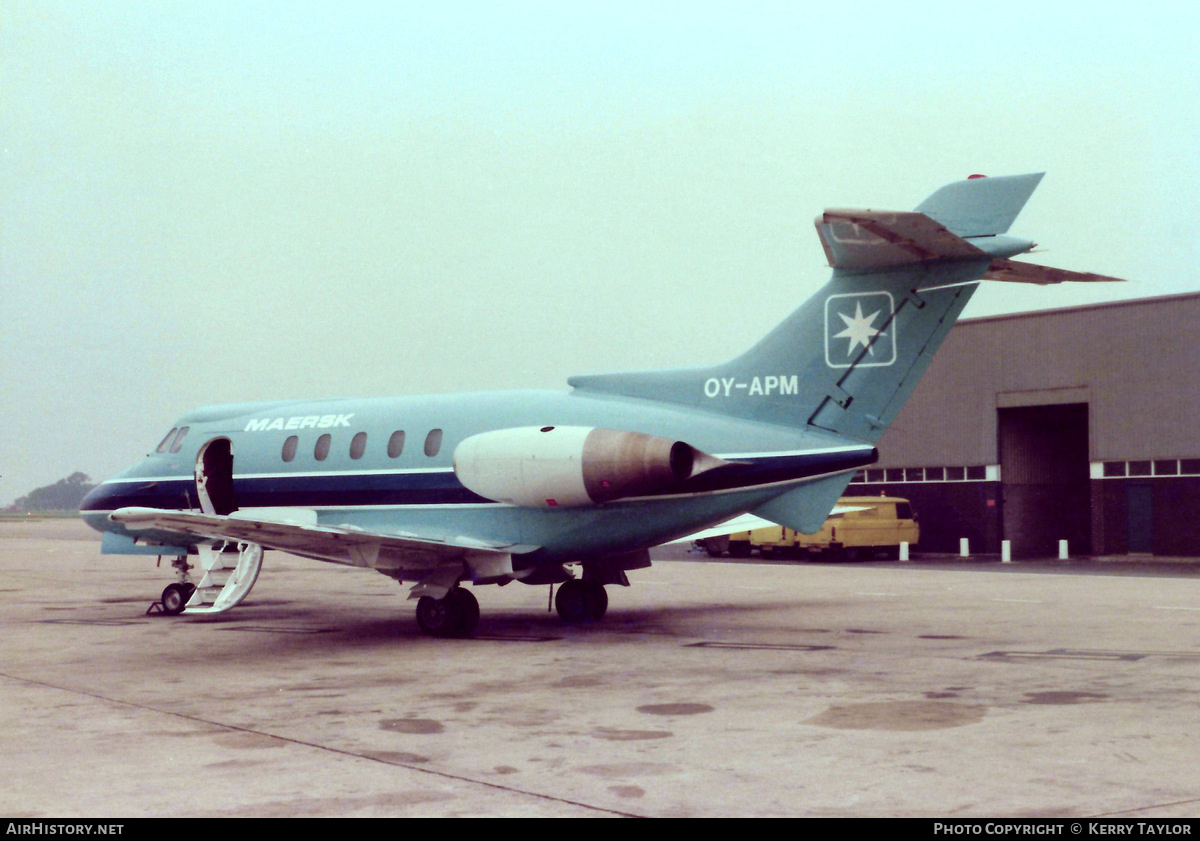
(1014, 272)
(878, 239)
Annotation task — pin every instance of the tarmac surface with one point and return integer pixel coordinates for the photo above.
(948, 689)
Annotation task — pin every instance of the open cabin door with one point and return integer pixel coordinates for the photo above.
(214, 477)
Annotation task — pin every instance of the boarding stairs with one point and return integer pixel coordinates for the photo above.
(230, 571)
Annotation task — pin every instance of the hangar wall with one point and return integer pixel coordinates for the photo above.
(1076, 424)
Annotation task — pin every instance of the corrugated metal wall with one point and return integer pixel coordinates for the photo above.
(1134, 361)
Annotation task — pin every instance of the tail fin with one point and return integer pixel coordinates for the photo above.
(980, 207)
(848, 358)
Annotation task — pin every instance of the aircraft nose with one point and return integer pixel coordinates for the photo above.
(94, 499)
(94, 507)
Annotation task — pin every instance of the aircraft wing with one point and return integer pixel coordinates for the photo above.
(296, 531)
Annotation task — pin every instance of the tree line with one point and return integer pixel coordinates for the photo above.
(63, 495)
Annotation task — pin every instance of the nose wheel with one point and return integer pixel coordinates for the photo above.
(175, 598)
(580, 600)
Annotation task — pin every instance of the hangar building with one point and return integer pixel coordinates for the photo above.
(1076, 424)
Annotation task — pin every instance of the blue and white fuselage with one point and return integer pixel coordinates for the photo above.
(512, 486)
(416, 491)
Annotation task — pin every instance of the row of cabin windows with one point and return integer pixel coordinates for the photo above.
(358, 445)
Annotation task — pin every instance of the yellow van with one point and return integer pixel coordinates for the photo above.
(874, 525)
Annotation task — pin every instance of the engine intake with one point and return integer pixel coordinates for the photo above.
(568, 466)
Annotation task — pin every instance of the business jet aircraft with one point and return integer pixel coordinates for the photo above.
(496, 487)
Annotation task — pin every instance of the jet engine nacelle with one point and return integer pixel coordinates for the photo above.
(565, 466)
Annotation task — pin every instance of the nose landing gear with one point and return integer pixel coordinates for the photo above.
(175, 597)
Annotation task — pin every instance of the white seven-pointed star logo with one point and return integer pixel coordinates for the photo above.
(870, 327)
(859, 329)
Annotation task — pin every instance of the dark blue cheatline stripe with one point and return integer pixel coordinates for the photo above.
(441, 487)
(171, 494)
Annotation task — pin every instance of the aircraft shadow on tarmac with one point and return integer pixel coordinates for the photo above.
(304, 623)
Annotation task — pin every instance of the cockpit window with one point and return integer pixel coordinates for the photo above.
(162, 447)
(177, 445)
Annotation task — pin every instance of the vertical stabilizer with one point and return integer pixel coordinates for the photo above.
(848, 357)
(980, 206)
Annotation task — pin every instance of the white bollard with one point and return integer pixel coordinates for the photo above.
(964, 548)
(1062, 550)
(1006, 551)
(904, 550)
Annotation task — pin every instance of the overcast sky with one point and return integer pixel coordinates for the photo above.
(208, 202)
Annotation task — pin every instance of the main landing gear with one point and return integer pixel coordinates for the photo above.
(581, 600)
(457, 615)
(454, 616)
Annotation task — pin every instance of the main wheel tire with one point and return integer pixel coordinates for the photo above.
(581, 601)
(467, 607)
(571, 601)
(438, 617)
(597, 601)
(175, 598)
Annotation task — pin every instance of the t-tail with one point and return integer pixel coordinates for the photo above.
(849, 357)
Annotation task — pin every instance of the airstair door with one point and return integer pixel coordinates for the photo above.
(214, 477)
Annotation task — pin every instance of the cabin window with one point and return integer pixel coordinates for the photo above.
(162, 447)
(178, 443)
(358, 445)
(321, 451)
(396, 444)
(433, 442)
(289, 447)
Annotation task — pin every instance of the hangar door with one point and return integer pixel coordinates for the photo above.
(1046, 492)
